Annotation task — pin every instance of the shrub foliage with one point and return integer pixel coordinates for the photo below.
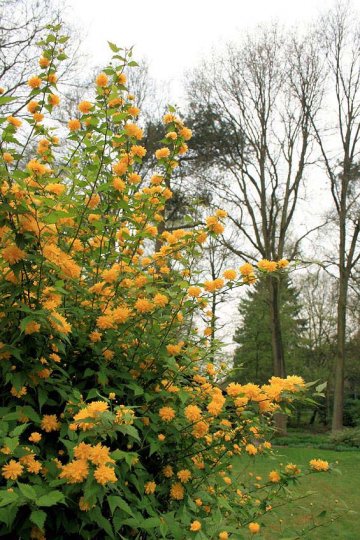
(113, 421)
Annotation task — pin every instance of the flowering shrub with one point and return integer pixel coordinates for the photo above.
(113, 420)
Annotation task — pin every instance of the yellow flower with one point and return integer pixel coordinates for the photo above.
(186, 133)
(254, 528)
(32, 106)
(52, 78)
(132, 130)
(99, 455)
(195, 526)
(14, 121)
(160, 300)
(74, 124)
(38, 117)
(268, 266)
(104, 474)
(33, 467)
(214, 285)
(34, 82)
(200, 429)
(35, 437)
(138, 151)
(84, 505)
(44, 62)
(59, 323)
(168, 118)
(53, 100)
(7, 157)
(82, 450)
(194, 291)
(274, 477)
(171, 135)
(283, 263)
(75, 472)
(133, 111)
(162, 153)
(177, 491)
(229, 274)
(174, 349)
(57, 189)
(184, 475)
(167, 414)
(251, 449)
(12, 470)
(134, 178)
(36, 167)
(150, 488)
(50, 423)
(102, 80)
(119, 185)
(85, 107)
(214, 225)
(168, 471)
(223, 535)
(192, 413)
(32, 327)
(319, 465)
(121, 78)
(142, 305)
(12, 254)
(18, 393)
(292, 469)
(246, 269)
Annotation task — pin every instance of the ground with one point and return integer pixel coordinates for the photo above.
(335, 492)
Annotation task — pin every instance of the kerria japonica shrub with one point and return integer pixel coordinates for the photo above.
(113, 421)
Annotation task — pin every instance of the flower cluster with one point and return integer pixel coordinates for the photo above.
(114, 420)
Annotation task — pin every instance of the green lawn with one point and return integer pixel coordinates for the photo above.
(334, 492)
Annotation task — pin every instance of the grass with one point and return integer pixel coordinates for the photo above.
(334, 492)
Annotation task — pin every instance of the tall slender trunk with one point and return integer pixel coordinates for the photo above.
(276, 333)
(280, 419)
(338, 409)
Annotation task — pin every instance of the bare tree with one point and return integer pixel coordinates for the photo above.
(23, 23)
(251, 112)
(339, 142)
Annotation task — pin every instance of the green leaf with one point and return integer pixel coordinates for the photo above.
(113, 47)
(8, 515)
(42, 397)
(321, 387)
(8, 497)
(129, 430)
(12, 443)
(18, 430)
(103, 522)
(51, 498)
(29, 411)
(117, 502)
(28, 491)
(6, 99)
(150, 523)
(38, 517)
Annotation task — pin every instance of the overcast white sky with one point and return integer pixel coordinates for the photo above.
(174, 35)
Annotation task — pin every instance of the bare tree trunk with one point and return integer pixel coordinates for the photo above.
(276, 333)
(280, 419)
(338, 410)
